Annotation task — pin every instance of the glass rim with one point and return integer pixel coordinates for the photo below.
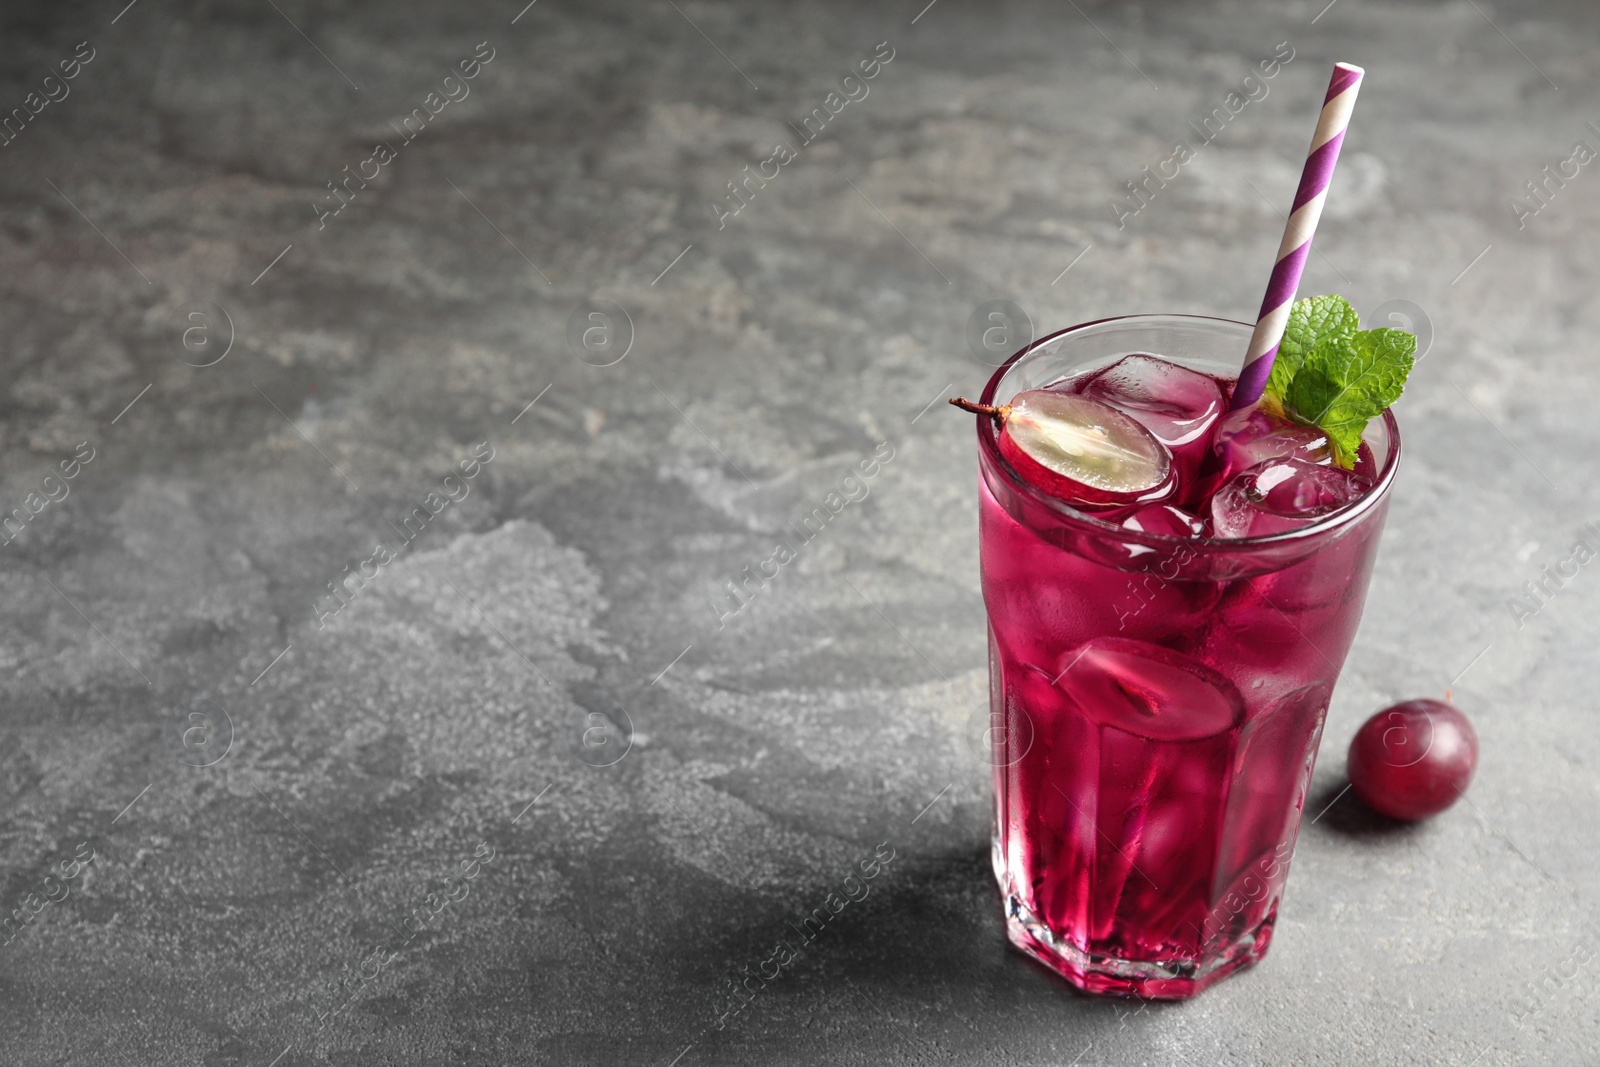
(989, 447)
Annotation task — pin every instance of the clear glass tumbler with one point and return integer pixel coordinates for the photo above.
(1157, 701)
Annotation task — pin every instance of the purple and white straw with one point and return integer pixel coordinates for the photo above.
(1297, 234)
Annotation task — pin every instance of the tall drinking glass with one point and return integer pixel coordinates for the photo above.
(1156, 701)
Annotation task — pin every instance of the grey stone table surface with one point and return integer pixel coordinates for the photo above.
(256, 380)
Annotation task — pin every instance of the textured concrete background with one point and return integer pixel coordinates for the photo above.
(269, 787)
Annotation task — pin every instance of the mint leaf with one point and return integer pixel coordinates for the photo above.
(1344, 381)
(1313, 322)
(1374, 372)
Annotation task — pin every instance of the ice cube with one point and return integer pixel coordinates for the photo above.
(1164, 519)
(1135, 766)
(1270, 773)
(1178, 405)
(1278, 495)
(1149, 691)
(1250, 435)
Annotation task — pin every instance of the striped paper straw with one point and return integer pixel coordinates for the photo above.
(1302, 225)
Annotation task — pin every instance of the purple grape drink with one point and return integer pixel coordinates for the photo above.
(1159, 671)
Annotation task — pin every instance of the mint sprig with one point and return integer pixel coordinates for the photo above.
(1331, 374)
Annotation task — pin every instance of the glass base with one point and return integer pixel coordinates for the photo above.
(1173, 979)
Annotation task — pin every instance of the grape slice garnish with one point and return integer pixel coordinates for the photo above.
(1079, 449)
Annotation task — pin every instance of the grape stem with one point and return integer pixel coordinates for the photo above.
(998, 414)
